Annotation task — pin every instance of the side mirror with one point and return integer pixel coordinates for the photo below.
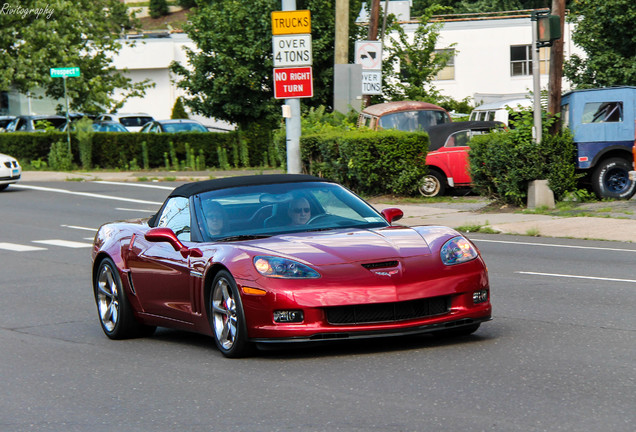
(392, 214)
(157, 235)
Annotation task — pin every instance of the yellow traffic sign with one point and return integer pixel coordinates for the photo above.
(291, 22)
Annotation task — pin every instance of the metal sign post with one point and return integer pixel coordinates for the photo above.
(64, 73)
(536, 78)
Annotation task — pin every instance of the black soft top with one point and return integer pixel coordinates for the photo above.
(439, 133)
(195, 188)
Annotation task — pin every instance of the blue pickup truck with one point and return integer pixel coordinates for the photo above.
(603, 122)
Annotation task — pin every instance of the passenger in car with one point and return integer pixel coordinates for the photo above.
(215, 218)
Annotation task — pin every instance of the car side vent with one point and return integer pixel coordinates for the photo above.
(377, 265)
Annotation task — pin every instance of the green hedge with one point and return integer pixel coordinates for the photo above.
(118, 150)
(503, 163)
(368, 162)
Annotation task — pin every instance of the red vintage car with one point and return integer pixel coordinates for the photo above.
(447, 159)
(283, 258)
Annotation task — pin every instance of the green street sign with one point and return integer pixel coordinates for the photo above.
(65, 72)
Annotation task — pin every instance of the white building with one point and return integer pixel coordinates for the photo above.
(150, 58)
(492, 53)
(493, 58)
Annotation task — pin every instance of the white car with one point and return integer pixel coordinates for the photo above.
(132, 121)
(10, 171)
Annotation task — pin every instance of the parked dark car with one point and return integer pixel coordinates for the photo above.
(4, 122)
(173, 126)
(33, 123)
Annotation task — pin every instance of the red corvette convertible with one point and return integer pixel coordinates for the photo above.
(283, 258)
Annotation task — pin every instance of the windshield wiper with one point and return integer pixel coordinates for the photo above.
(243, 237)
(320, 229)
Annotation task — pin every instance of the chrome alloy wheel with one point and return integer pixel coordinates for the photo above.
(224, 314)
(108, 298)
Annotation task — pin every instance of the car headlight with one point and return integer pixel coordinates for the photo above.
(457, 250)
(284, 268)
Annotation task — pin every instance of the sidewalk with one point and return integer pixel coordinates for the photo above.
(449, 214)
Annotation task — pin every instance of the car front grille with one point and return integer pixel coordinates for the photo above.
(378, 265)
(387, 312)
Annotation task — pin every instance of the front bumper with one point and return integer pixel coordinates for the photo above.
(353, 335)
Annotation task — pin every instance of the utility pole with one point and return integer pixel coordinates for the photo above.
(556, 66)
(342, 32)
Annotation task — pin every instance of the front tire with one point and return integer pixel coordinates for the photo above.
(433, 184)
(610, 179)
(227, 317)
(115, 313)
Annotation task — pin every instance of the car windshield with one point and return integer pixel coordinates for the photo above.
(410, 121)
(254, 211)
(184, 127)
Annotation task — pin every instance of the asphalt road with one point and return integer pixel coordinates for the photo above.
(558, 356)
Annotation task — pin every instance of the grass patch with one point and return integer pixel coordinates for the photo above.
(533, 232)
(477, 228)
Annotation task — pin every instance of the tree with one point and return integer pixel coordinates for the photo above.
(158, 8)
(606, 32)
(36, 36)
(411, 66)
(178, 111)
(477, 6)
(230, 74)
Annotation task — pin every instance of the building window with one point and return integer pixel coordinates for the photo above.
(521, 60)
(448, 73)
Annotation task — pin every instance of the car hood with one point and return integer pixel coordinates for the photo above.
(345, 246)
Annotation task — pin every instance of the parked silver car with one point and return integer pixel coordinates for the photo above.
(133, 121)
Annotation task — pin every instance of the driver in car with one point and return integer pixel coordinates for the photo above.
(299, 211)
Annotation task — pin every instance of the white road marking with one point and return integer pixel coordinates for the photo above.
(576, 277)
(135, 184)
(79, 228)
(86, 194)
(63, 243)
(19, 248)
(554, 245)
(136, 210)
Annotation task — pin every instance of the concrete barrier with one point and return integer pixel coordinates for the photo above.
(540, 195)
